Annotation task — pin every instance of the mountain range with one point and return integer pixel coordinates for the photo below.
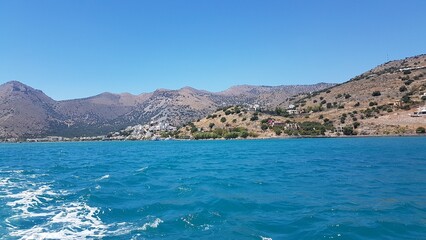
(27, 112)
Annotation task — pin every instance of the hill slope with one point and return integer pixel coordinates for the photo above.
(27, 112)
(377, 102)
(380, 100)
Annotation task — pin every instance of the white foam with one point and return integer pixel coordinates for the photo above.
(75, 220)
(12, 171)
(265, 238)
(4, 182)
(141, 169)
(206, 227)
(103, 177)
(28, 199)
(55, 218)
(153, 224)
(187, 221)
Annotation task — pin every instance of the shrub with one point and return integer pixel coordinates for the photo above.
(211, 125)
(234, 120)
(254, 118)
(277, 131)
(357, 104)
(348, 130)
(347, 95)
(264, 127)
(376, 93)
(223, 119)
(406, 99)
(227, 112)
(403, 89)
(194, 129)
(311, 128)
(244, 134)
(420, 130)
(356, 124)
(408, 82)
(231, 135)
(206, 135)
(264, 120)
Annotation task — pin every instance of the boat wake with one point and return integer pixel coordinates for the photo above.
(36, 211)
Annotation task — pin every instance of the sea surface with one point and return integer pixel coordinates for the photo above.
(346, 188)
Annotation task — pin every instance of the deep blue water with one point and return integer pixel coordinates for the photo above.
(351, 188)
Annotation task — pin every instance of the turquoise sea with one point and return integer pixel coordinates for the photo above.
(346, 188)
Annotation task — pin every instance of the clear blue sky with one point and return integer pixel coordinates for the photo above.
(75, 48)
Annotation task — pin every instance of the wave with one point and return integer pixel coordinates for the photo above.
(153, 224)
(142, 169)
(75, 220)
(103, 177)
(30, 198)
(50, 215)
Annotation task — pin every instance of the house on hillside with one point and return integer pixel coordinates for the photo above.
(253, 107)
(274, 123)
(293, 111)
(397, 103)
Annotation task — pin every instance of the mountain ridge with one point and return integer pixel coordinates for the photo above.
(28, 112)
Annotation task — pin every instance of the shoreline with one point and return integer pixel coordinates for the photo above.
(223, 139)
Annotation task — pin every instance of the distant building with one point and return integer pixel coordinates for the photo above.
(293, 111)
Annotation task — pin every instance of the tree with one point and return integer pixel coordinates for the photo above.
(347, 130)
(420, 130)
(277, 131)
(264, 127)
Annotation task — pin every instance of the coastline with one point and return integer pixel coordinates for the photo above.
(223, 139)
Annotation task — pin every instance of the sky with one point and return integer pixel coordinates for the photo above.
(80, 48)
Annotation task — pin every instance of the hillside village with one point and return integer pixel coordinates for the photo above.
(151, 131)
